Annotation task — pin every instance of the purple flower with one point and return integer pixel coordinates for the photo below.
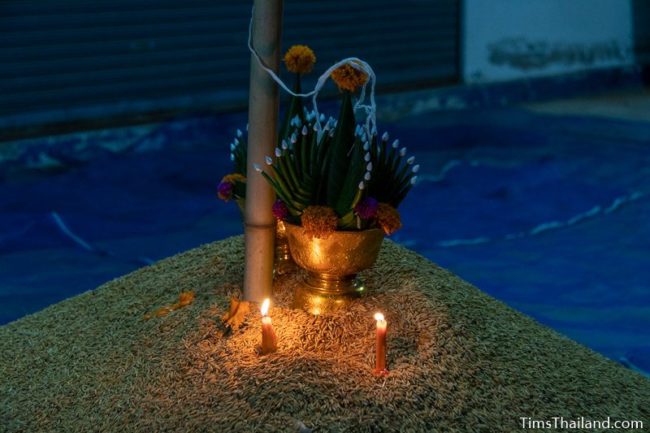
(280, 210)
(224, 190)
(366, 208)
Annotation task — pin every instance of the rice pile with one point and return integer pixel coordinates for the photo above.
(459, 360)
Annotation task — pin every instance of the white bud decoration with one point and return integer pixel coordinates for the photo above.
(232, 146)
(361, 185)
(396, 144)
(402, 151)
(304, 130)
(366, 176)
(384, 136)
(278, 152)
(239, 133)
(369, 166)
(366, 146)
(416, 168)
(366, 157)
(232, 157)
(257, 168)
(413, 180)
(268, 160)
(293, 138)
(411, 160)
(285, 145)
(235, 142)
(321, 118)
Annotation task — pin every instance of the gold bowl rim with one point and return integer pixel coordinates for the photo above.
(337, 232)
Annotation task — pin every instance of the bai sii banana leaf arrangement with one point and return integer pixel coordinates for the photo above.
(338, 178)
(299, 60)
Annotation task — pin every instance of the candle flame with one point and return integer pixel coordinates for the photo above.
(379, 317)
(265, 307)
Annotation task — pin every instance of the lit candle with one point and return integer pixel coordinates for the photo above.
(269, 340)
(380, 366)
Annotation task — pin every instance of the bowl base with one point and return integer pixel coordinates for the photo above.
(283, 262)
(321, 294)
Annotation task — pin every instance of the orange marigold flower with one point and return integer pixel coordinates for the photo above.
(388, 218)
(319, 221)
(226, 187)
(299, 59)
(234, 177)
(347, 77)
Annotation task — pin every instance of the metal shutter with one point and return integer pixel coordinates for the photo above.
(641, 14)
(70, 61)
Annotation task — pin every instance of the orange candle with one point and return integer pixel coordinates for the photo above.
(380, 365)
(269, 339)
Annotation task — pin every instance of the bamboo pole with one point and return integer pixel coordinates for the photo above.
(259, 231)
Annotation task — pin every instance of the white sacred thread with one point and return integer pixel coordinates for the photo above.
(358, 64)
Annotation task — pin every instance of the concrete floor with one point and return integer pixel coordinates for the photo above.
(623, 105)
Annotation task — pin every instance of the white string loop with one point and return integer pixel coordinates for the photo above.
(370, 109)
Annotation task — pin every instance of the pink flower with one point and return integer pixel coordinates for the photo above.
(280, 210)
(366, 208)
(224, 190)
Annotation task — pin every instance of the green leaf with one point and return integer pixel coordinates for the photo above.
(400, 196)
(239, 189)
(299, 197)
(240, 156)
(279, 191)
(351, 179)
(348, 221)
(285, 167)
(305, 152)
(338, 153)
(313, 152)
(295, 109)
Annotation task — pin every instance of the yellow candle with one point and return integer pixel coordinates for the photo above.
(380, 363)
(269, 339)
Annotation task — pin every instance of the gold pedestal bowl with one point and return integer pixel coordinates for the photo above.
(283, 263)
(331, 266)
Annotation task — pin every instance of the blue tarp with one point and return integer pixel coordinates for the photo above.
(548, 214)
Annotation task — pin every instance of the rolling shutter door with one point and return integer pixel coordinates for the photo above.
(641, 15)
(72, 61)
